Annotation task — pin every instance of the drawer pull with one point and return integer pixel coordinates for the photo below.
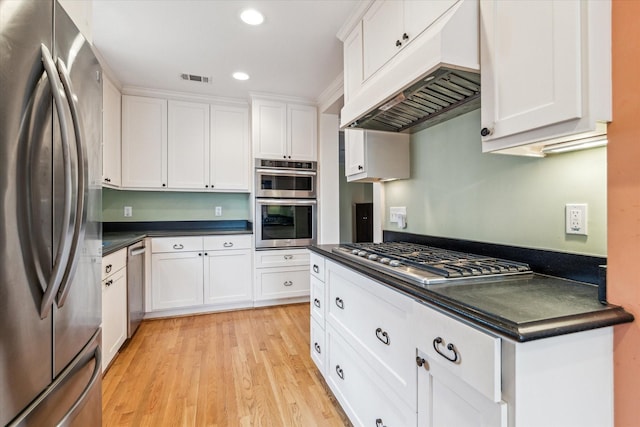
(228, 244)
(316, 302)
(108, 268)
(450, 347)
(383, 336)
(288, 257)
(178, 246)
(288, 283)
(108, 283)
(339, 371)
(317, 347)
(316, 269)
(340, 303)
(379, 423)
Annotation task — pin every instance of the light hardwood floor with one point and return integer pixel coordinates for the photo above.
(241, 368)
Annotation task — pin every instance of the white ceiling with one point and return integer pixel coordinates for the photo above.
(149, 43)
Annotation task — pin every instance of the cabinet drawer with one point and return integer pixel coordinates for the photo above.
(374, 318)
(366, 400)
(113, 262)
(282, 258)
(282, 282)
(176, 244)
(317, 265)
(470, 354)
(318, 349)
(214, 243)
(317, 300)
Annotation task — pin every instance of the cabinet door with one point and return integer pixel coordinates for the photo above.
(111, 128)
(418, 15)
(144, 142)
(228, 276)
(444, 401)
(352, 49)
(188, 145)
(114, 315)
(302, 126)
(230, 157)
(531, 65)
(269, 129)
(177, 280)
(381, 34)
(354, 158)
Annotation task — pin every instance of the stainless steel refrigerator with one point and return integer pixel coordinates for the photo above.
(50, 230)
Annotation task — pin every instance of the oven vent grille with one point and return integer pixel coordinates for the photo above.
(195, 78)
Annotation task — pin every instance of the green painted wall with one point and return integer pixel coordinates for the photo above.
(350, 194)
(456, 191)
(173, 206)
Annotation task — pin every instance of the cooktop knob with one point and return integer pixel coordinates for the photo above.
(355, 251)
(362, 253)
(373, 257)
(394, 263)
(384, 260)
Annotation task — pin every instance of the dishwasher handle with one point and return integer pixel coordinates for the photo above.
(137, 251)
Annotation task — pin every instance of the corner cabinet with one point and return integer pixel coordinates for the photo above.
(373, 155)
(144, 142)
(283, 130)
(546, 81)
(393, 360)
(111, 134)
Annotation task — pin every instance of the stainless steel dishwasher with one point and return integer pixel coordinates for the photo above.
(135, 286)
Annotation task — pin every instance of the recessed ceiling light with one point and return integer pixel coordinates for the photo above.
(239, 75)
(252, 17)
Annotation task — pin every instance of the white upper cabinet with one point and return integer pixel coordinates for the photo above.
(188, 159)
(546, 72)
(282, 130)
(373, 156)
(111, 128)
(230, 151)
(353, 62)
(390, 25)
(144, 142)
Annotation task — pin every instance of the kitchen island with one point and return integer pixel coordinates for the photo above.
(521, 350)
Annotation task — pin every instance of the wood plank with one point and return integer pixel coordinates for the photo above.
(239, 368)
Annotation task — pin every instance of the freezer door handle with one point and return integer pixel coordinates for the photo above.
(83, 178)
(97, 369)
(50, 286)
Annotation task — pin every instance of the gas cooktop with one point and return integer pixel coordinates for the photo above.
(427, 265)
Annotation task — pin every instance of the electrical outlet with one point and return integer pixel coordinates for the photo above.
(576, 218)
(218, 211)
(395, 213)
(128, 211)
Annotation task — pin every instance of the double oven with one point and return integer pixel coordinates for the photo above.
(286, 206)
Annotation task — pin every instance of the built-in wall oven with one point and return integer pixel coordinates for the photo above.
(286, 206)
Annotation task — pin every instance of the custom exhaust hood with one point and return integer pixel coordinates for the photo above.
(431, 80)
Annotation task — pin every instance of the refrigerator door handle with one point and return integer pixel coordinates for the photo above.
(60, 261)
(83, 177)
(97, 369)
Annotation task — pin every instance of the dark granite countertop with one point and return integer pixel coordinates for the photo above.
(522, 308)
(117, 235)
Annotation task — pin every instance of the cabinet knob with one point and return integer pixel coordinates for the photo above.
(360, 167)
(108, 283)
(206, 186)
(421, 362)
(379, 423)
(398, 43)
(107, 180)
(284, 157)
(405, 36)
(486, 131)
(164, 185)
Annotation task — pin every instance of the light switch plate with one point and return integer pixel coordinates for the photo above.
(395, 212)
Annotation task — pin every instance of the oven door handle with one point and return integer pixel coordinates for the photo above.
(286, 201)
(286, 172)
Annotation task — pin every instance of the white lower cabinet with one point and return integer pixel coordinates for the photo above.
(364, 396)
(281, 276)
(114, 305)
(201, 273)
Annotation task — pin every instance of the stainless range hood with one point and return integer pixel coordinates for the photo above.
(440, 96)
(434, 78)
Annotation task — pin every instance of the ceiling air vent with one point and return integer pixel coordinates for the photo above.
(195, 78)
